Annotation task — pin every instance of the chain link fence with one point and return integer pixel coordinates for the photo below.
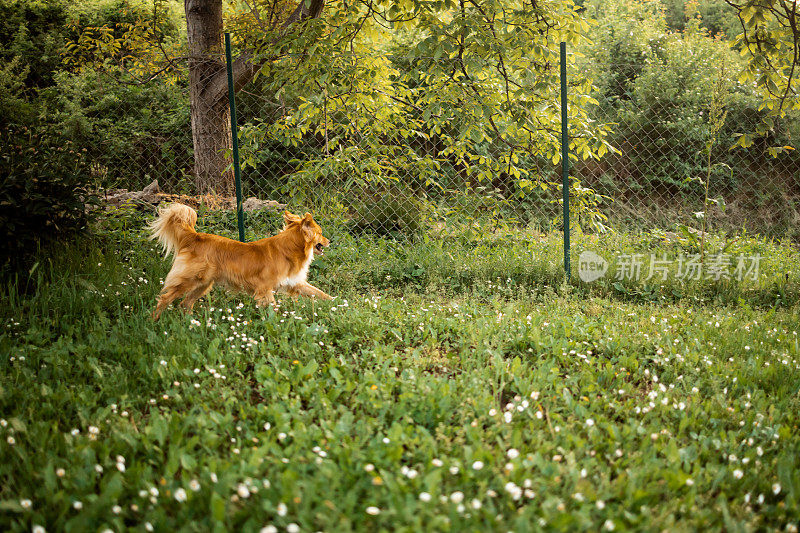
(371, 157)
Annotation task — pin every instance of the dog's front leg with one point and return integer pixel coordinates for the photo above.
(266, 297)
(310, 290)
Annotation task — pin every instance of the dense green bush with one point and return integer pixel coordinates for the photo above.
(133, 133)
(42, 194)
(664, 126)
(33, 33)
(656, 85)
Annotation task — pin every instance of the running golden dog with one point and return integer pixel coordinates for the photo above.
(258, 268)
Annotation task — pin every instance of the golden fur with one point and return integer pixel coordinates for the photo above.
(258, 268)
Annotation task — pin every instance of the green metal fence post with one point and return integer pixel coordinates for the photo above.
(234, 138)
(565, 154)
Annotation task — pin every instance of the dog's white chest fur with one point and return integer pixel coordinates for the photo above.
(301, 275)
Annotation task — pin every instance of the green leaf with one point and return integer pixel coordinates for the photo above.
(217, 505)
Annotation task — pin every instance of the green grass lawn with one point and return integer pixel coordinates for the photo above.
(455, 383)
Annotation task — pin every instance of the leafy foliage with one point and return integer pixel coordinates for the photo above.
(658, 89)
(771, 42)
(41, 192)
(460, 102)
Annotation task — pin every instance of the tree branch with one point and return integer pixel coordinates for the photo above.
(245, 66)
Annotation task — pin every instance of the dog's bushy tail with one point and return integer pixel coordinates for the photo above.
(174, 222)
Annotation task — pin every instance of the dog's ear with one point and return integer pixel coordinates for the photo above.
(288, 218)
(308, 230)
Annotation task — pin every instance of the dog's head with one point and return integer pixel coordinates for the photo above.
(312, 233)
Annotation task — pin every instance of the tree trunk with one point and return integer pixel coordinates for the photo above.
(211, 123)
(208, 89)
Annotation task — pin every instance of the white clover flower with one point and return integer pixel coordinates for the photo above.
(492, 411)
(507, 416)
(477, 465)
(776, 488)
(243, 491)
(589, 422)
(386, 440)
(738, 474)
(609, 525)
(476, 504)
(689, 482)
(578, 497)
(180, 495)
(369, 467)
(600, 504)
(424, 496)
(121, 467)
(454, 470)
(411, 474)
(457, 497)
(148, 526)
(269, 529)
(372, 510)
(116, 509)
(513, 453)
(37, 529)
(194, 485)
(513, 490)
(26, 504)
(292, 528)
(60, 472)
(437, 462)
(77, 505)
(282, 510)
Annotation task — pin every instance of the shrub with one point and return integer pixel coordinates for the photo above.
(42, 194)
(133, 133)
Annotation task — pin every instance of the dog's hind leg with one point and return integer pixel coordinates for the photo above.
(181, 279)
(310, 290)
(171, 293)
(196, 293)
